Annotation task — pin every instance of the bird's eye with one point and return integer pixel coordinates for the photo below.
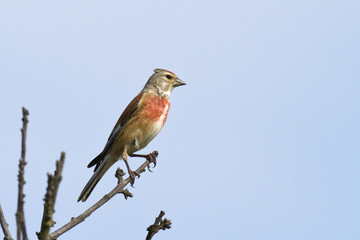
(168, 76)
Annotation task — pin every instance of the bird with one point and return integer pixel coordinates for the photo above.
(139, 123)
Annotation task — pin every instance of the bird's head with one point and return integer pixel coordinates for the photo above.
(163, 82)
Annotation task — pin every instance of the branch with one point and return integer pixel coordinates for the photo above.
(4, 226)
(50, 197)
(158, 224)
(20, 216)
(118, 189)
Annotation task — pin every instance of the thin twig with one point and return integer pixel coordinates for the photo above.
(50, 197)
(118, 189)
(20, 216)
(4, 226)
(158, 224)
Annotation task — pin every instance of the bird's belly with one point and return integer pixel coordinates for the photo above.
(146, 134)
(151, 133)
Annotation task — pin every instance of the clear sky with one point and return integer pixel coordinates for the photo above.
(262, 142)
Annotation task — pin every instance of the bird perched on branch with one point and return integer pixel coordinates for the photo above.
(140, 122)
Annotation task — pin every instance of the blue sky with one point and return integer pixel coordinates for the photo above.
(262, 142)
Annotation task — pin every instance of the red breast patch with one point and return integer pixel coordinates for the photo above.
(157, 108)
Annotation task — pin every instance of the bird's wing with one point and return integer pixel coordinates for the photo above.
(129, 111)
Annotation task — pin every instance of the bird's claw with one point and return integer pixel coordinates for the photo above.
(148, 167)
(132, 175)
(152, 158)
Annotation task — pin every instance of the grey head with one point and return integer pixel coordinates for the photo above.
(163, 82)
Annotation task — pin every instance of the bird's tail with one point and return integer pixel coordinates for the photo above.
(100, 171)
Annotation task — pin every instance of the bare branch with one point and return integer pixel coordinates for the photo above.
(4, 226)
(50, 197)
(20, 216)
(158, 224)
(118, 189)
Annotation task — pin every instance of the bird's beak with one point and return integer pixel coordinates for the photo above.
(179, 82)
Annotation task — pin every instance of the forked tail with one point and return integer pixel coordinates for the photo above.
(104, 166)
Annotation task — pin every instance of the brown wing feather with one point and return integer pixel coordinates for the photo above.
(129, 111)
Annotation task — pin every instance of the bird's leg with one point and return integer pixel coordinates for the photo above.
(151, 157)
(132, 173)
